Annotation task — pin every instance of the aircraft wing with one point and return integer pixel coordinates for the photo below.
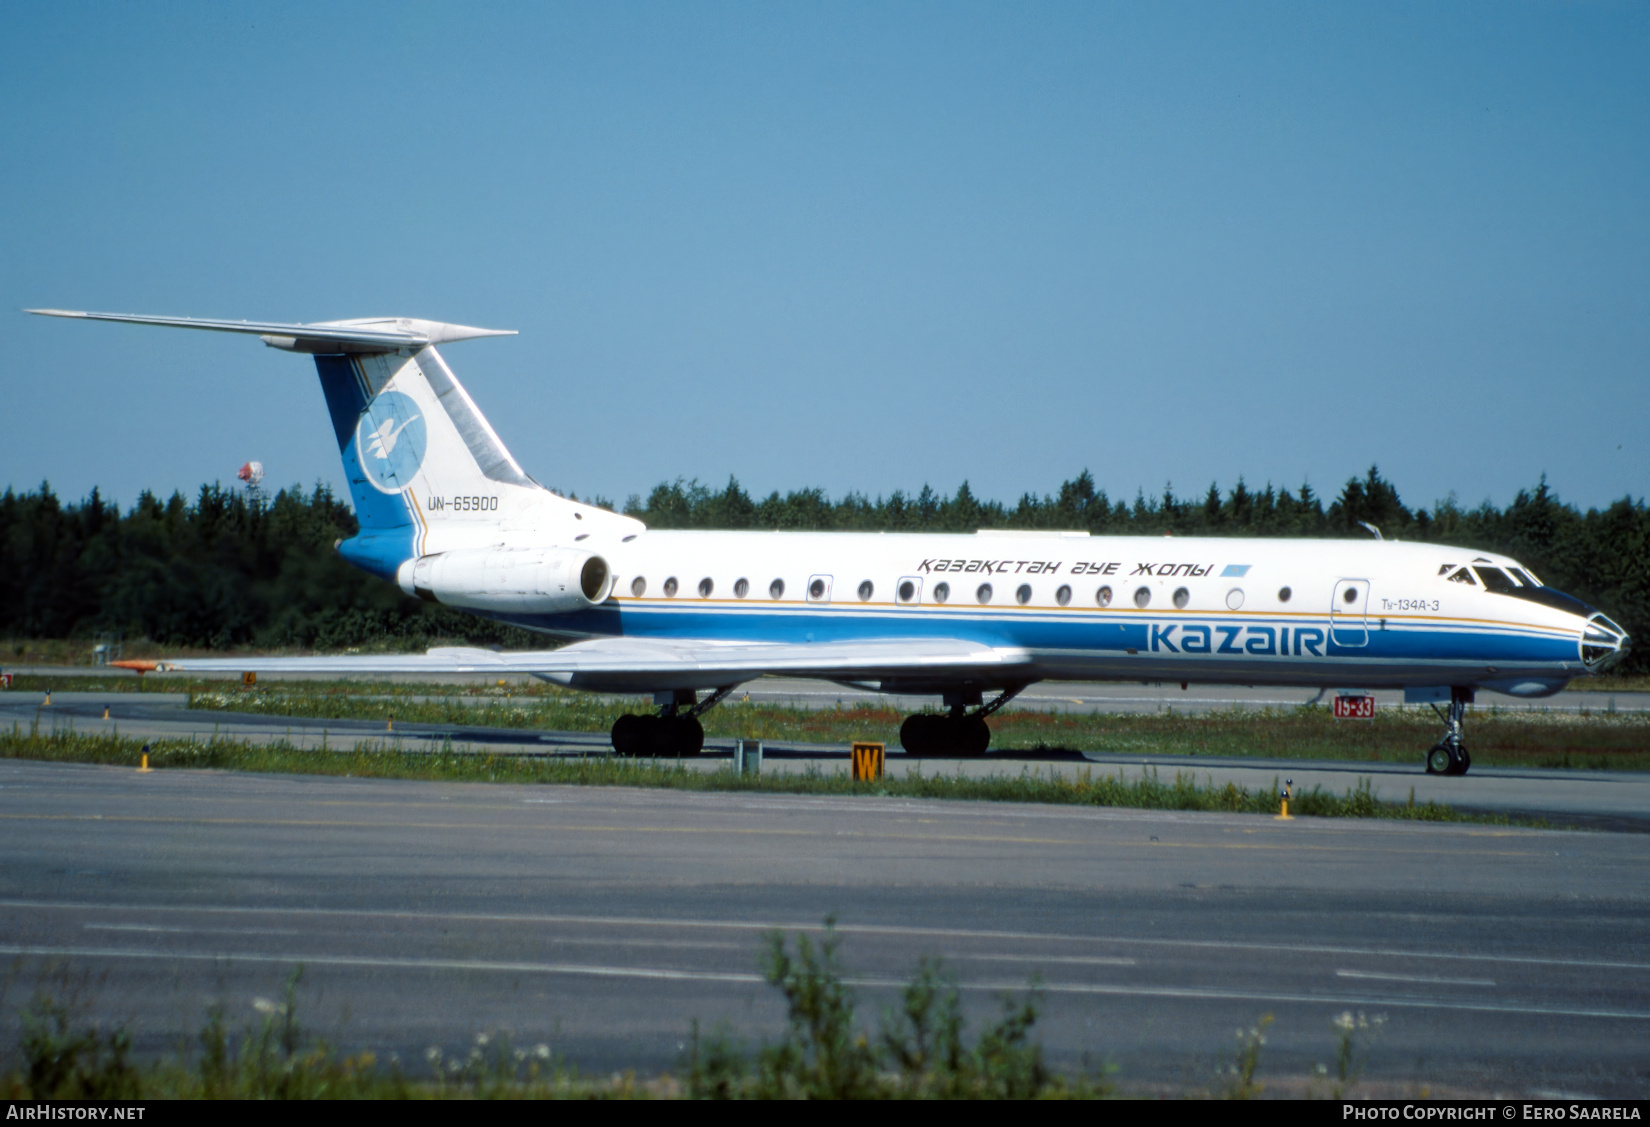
(656, 664)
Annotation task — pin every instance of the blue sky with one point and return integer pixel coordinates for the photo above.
(849, 246)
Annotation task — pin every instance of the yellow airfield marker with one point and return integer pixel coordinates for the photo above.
(389, 725)
(105, 712)
(48, 701)
(1283, 796)
(143, 767)
(867, 761)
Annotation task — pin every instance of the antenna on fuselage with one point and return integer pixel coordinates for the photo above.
(1373, 529)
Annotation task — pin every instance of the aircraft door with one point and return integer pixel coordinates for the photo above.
(1348, 625)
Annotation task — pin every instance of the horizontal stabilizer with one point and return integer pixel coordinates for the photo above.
(373, 334)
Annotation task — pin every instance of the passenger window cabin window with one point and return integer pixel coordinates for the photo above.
(1234, 599)
(1063, 596)
(1143, 597)
(776, 589)
(816, 589)
(907, 591)
(741, 588)
(1181, 598)
(865, 591)
(942, 592)
(1284, 594)
(670, 587)
(638, 586)
(1023, 595)
(706, 587)
(984, 593)
(1103, 596)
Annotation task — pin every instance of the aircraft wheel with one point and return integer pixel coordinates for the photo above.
(687, 735)
(1464, 763)
(658, 737)
(969, 735)
(917, 734)
(1440, 761)
(627, 735)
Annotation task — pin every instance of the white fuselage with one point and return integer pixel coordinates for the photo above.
(1310, 612)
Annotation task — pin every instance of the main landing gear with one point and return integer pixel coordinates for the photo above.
(1449, 756)
(960, 733)
(670, 734)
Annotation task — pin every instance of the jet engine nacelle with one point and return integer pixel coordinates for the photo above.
(527, 580)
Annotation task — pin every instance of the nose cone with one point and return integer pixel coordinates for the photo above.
(1603, 644)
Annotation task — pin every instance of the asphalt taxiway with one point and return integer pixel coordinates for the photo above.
(603, 921)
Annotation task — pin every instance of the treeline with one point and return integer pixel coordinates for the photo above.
(1077, 505)
(228, 571)
(224, 571)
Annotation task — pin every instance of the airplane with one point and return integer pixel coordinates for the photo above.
(448, 515)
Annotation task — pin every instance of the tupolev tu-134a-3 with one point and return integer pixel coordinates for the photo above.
(448, 514)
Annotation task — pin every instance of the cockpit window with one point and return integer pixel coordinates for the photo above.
(1464, 576)
(1445, 569)
(1496, 580)
(1523, 576)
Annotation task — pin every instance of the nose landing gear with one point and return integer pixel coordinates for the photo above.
(1449, 756)
(961, 733)
(671, 733)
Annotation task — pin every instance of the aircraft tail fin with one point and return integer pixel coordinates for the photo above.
(426, 471)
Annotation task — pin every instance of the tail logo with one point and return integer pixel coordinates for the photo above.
(385, 437)
(389, 441)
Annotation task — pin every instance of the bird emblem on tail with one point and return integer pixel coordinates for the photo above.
(385, 437)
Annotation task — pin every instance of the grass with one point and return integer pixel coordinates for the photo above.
(919, 1050)
(64, 1055)
(1612, 683)
(1088, 787)
(1600, 739)
(921, 1047)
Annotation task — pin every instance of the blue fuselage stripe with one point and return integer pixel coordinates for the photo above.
(1235, 638)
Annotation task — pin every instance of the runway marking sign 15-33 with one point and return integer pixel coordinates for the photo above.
(1349, 707)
